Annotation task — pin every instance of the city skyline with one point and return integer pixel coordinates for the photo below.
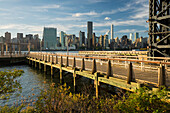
(71, 17)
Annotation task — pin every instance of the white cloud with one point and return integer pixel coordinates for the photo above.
(142, 12)
(46, 7)
(107, 18)
(96, 1)
(55, 6)
(91, 13)
(139, 22)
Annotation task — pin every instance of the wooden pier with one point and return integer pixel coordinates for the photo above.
(103, 70)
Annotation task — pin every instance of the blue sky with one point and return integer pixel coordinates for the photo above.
(71, 16)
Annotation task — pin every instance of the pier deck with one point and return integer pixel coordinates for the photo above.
(104, 70)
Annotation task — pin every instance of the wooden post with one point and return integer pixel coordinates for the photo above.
(74, 77)
(97, 84)
(61, 75)
(32, 63)
(74, 63)
(52, 71)
(19, 48)
(48, 58)
(35, 64)
(161, 76)
(66, 61)
(94, 66)
(45, 68)
(56, 59)
(6, 49)
(51, 59)
(61, 61)
(29, 62)
(82, 64)
(10, 49)
(130, 74)
(2, 49)
(108, 69)
(40, 66)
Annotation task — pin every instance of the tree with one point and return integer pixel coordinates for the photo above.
(8, 82)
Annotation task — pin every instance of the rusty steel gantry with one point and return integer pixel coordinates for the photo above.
(159, 28)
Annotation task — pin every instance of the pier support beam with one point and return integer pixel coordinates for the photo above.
(97, 84)
(35, 64)
(2, 49)
(74, 80)
(6, 49)
(40, 66)
(61, 75)
(32, 63)
(45, 68)
(56, 59)
(52, 71)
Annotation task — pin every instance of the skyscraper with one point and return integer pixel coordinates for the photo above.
(131, 37)
(49, 36)
(136, 36)
(112, 32)
(106, 41)
(7, 37)
(94, 41)
(62, 39)
(89, 34)
(82, 38)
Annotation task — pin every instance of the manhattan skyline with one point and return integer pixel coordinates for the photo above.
(30, 17)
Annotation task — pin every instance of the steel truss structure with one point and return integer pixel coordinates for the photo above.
(159, 28)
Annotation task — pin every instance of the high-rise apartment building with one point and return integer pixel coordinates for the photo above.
(89, 34)
(49, 36)
(19, 37)
(136, 36)
(7, 37)
(62, 39)
(112, 32)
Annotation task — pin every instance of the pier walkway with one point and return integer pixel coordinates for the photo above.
(105, 70)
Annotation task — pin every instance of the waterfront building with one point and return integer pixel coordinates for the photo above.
(89, 34)
(94, 41)
(112, 32)
(36, 42)
(49, 36)
(7, 37)
(1, 39)
(19, 37)
(62, 39)
(82, 38)
(136, 36)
